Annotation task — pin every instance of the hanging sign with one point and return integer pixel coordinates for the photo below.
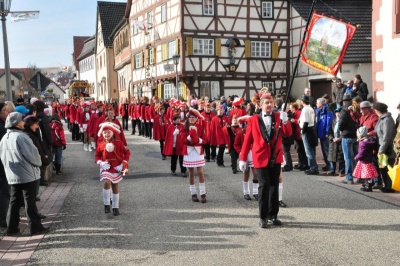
(326, 43)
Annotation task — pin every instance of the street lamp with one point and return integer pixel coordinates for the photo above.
(5, 9)
(176, 57)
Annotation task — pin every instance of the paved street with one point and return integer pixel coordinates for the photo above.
(326, 222)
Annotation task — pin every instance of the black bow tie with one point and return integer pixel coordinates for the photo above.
(267, 115)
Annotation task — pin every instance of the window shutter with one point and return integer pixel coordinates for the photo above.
(164, 51)
(397, 16)
(177, 46)
(154, 54)
(275, 50)
(217, 47)
(141, 58)
(184, 93)
(189, 46)
(146, 57)
(160, 90)
(247, 48)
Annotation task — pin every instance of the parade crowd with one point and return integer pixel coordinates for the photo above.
(358, 141)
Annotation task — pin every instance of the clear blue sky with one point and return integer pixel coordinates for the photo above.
(47, 41)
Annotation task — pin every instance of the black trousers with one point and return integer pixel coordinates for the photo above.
(27, 192)
(301, 152)
(209, 151)
(75, 131)
(268, 191)
(288, 156)
(220, 156)
(146, 129)
(150, 129)
(4, 199)
(385, 176)
(134, 122)
(174, 160)
(234, 158)
(139, 124)
(125, 120)
(162, 147)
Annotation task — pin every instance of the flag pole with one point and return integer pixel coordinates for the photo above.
(298, 56)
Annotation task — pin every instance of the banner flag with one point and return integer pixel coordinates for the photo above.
(326, 43)
(22, 16)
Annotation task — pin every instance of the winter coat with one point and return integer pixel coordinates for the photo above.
(338, 93)
(324, 119)
(347, 125)
(385, 132)
(366, 148)
(57, 134)
(335, 153)
(39, 145)
(20, 157)
(3, 131)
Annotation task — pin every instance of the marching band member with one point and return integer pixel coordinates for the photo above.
(112, 156)
(217, 135)
(173, 145)
(210, 151)
(230, 132)
(160, 127)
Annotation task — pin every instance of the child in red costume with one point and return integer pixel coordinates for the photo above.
(193, 138)
(160, 127)
(174, 145)
(112, 156)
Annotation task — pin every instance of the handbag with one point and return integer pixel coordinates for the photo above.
(382, 160)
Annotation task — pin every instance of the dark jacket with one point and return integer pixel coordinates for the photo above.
(385, 132)
(39, 145)
(335, 148)
(44, 134)
(3, 131)
(363, 90)
(338, 93)
(347, 125)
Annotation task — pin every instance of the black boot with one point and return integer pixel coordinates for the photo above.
(115, 211)
(107, 209)
(367, 188)
(58, 168)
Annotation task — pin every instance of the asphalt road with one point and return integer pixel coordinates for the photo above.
(325, 223)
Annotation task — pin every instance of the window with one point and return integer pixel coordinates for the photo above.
(100, 37)
(208, 7)
(260, 49)
(135, 28)
(203, 46)
(150, 56)
(150, 20)
(163, 13)
(138, 60)
(101, 62)
(397, 16)
(169, 91)
(267, 10)
(210, 89)
(12, 83)
(171, 48)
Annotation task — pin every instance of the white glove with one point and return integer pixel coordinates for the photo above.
(104, 165)
(152, 120)
(242, 166)
(81, 129)
(189, 138)
(284, 117)
(176, 131)
(119, 167)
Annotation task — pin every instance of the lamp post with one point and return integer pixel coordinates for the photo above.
(5, 9)
(176, 57)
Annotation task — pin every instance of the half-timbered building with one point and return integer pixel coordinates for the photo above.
(213, 47)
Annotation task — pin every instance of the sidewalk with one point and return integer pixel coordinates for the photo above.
(18, 250)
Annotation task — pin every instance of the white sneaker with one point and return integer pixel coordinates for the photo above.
(90, 147)
(93, 145)
(85, 147)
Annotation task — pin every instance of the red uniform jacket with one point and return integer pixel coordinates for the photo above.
(160, 127)
(137, 111)
(66, 111)
(169, 140)
(114, 158)
(239, 140)
(92, 128)
(206, 122)
(297, 129)
(228, 139)
(238, 112)
(262, 150)
(57, 134)
(131, 111)
(200, 136)
(122, 109)
(72, 113)
(217, 135)
(143, 112)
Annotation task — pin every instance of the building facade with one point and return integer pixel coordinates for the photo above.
(87, 66)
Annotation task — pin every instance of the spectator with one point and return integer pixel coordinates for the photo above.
(361, 87)
(385, 132)
(21, 161)
(324, 118)
(4, 189)
(302, 157)
(307, 91)
(335, 147)
(339, 92)
(59, 142)
(349, 89)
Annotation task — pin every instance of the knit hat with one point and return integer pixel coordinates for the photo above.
(381, 107)
(365, 104)
(362, 132)
(21, 109)
(13, 119)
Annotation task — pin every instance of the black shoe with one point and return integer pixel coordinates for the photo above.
(3, 225)
(45, 230)
(326, 168)
(377, 186)
(13, 233)
(107, 209)
(132, 133)
(163, 158)
(184, 174)
(284, 169)
(282, 204)
(42, 216)
(44, 183)
(37, 198)
(303, 168)
(296, 166)
(173, 173)
(203, 198)
(255, 197)
(213, 159)
(221, 164)
(207, 160)
(264, 224)
(366, 189)
(235, 171)
(247, 197)
(115, 211)
(309, 172)
(195, 198)
(276, 221)
(387, 190)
